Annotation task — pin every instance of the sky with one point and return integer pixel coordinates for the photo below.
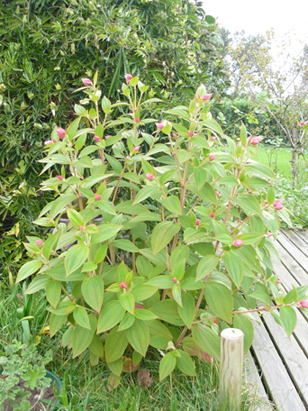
(258, 16)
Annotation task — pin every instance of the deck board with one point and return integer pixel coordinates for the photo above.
(283, 361)
(275, 375)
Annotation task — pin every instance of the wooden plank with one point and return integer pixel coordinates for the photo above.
(303, 234)
(275, 375)
(258, 397)
(296, 254)
(296, 240)
(299, 275)
(301, 330)
(293, 357)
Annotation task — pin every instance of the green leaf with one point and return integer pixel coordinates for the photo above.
(116, 343)
(167, 310)
(144, 315)
(207, 340)
(302, 294)
(28, 269)
(53, 292)
(116, 367)
(110, 316)
(187, 311)
(97, 346)
(163, 234)
(271, 195)
(55, 323)
(127, 300)
(37, 284)
(186, 364)
(261, 169)
(248, 203)
(146, 217)
(107, 231)
(60, 203)
(81, 317)
(128, 321)
(83, 337)
(101, 253)
(172, 203)
(243, 323)
(75, 257)
(206, 265)
(167, 365)
(143, 292)
(234, 266)
(250, 238)
(49, 245)
(88, 267)
(162, 281)
(125, 245)
(138, 336)
(200, 175)
(144, 193)
(288, 318)
(177, 294)
(93, 292)
(75, 218)
(115, 164)
(219, 299)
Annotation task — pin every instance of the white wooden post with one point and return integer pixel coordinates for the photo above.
(231, 367)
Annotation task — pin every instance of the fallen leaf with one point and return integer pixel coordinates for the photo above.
(145, 379)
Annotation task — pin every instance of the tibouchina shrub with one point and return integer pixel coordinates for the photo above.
(172, 234)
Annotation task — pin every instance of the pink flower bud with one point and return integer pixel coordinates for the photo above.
(127, 157)
(265, 202)
(81, 227)
(269, 234)
(212, 215)
(217, 193)
(190, 133)
(175, 280)
(303, 303)
(137, 119)
(97, 197)
(279, 282)
(303, 124)
(149, 176)
(254, 140)
(198, 96)
(161, 125)
(197, 223)
(124, 285)
(97, 138)
(60, 177)
(250, 191)
(128, 77)
(137, 148)
(87, 82)
(61, 132)
(212, 157)
(206, 97)
(278, 206)
(39, 242)
(130, 107)
(238, 243)
(213, 138)
(46, 143)
(174, 135)
(108, 136)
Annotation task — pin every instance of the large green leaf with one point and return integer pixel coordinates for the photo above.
(116, 343)
(243, 323)
(167, 365)
(81, 317)
(234, 266)
(127, 300)
(75, 257)
(167, 310)
(60, 203)
(93, 292)
(288, 318)
(172, 203)
(28, 269)
(110, 316)
(207, 340)
(206, 266)
(138, 336)
(83, 337)
(107, 231)
(187, 311)
(248, 203)
(53, 292)
(185, 363)
(219, 299)
(163, 234)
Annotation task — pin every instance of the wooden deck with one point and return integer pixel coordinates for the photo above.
(277, 367)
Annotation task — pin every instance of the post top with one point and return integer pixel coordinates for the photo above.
(232, 334)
